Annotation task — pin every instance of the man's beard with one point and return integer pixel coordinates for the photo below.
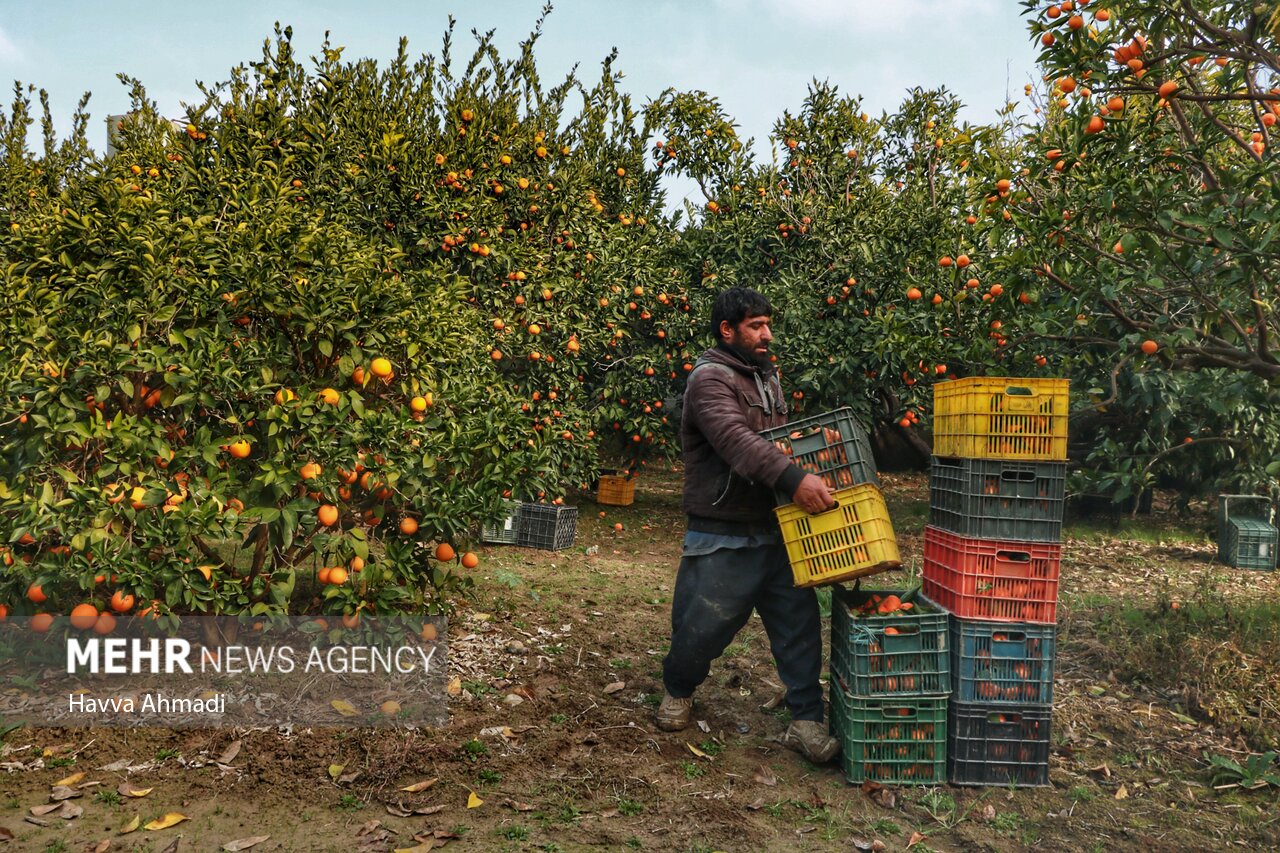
(751, 356)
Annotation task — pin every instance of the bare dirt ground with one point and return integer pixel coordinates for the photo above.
(558, 660)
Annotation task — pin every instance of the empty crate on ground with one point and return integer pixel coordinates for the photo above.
(1246, 532)
(533, 525)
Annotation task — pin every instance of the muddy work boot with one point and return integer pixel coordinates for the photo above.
(674, 714)
(810, 739)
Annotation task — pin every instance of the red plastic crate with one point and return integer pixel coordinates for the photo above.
(994, 579)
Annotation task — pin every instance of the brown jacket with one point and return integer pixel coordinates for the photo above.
(730, 472)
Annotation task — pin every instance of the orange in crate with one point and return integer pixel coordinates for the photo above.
(616, 490)
(851, 541)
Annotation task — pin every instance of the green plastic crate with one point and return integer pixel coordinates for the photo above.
(503, 532)
(899, 654)
(891, 741)
(1247, 538)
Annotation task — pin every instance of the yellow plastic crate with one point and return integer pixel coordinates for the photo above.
(851, 541)
(992, 417)
(616, 490)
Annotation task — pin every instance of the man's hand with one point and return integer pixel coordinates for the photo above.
(812, 495)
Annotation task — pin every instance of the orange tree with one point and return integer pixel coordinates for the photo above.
(342, 313)
(873, 237)
(1151, 212)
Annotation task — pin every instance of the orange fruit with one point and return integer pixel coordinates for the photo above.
(338, 575)
(356, 564)
(429, 632)
(618, 527)
(381, 368)
(83, 616)
(328, 515)
(239, 449)
(4, 612)
(1167, 88)
(445, 552)
(418, 404)
(329, 396)
(36, 594)
(284, 395)
(962, 261)
(913, 293)
(1095, 125)
(1149, 347)
(121, 601)
(310, 471)
(351, 620)
(41, 622)
(106, 622)
(408, 526)
(470, 561)
(944, 261)
(357, 376)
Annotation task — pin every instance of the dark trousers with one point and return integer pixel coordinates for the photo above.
(714, 596)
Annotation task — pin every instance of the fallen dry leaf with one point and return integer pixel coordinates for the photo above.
(6, 834)
(244, 843)
(229, 754)
(420, 786)
(1122, 793)
(41, 811)
(397, 810)
(128, 789)
(69, 781)
(518, 806)
(473, 801)
(70, 811)
(697, 751)
(610, 813)
(62, 792)
(765, 776)
(335, 770)
(916, 838)
(343, 707)
(173, 845)
(885, 798)
(455, 686)
(132, 825)
(614, 687)
(368, 827)
(101, 847)
(989, 813)
(170, 819)
(756, 805)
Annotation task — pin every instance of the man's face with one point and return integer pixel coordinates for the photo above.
(751, 338)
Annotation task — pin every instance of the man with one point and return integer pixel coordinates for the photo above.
(734, 560)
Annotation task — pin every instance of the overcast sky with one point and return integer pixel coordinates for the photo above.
(756, 56)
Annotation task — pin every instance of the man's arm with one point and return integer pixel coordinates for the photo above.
(713, 403)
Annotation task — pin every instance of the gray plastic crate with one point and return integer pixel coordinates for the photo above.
(1247, 537)
(997, 499)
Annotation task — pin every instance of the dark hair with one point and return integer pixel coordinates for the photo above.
(737, 304)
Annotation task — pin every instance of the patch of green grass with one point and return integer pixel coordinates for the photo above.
(884, 826)
(109, 797)
(569, 812)
(61, 761)
(711, 747)
(634, 843)
(349, 803)
(513, 833)
(13, 803)
(629, 808)
(166, 753)
(1081, 794)
(1146, 530)
(652, 700)
(554, 649)
(476, 688)
(474, 749)
(738, 649)
(775, 809)
(620, 663)
(557, 719)
(1007, 823)
(460, 829)
(56, 847)
(489, 777)
(692, 769)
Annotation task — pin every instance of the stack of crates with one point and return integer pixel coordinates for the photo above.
(889, 685)
(855, 538)
(992, 557)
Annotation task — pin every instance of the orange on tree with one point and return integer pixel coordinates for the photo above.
(327, 515)
(41, 622)
(470, 560)
(445, 552)
(83, 616)
(121, 601)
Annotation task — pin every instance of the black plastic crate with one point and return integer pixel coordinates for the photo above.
(896, 654)
(833, 445)
(1002, 663)
(900, 741)
(997, 499)
(551, 528)
(998, 745)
